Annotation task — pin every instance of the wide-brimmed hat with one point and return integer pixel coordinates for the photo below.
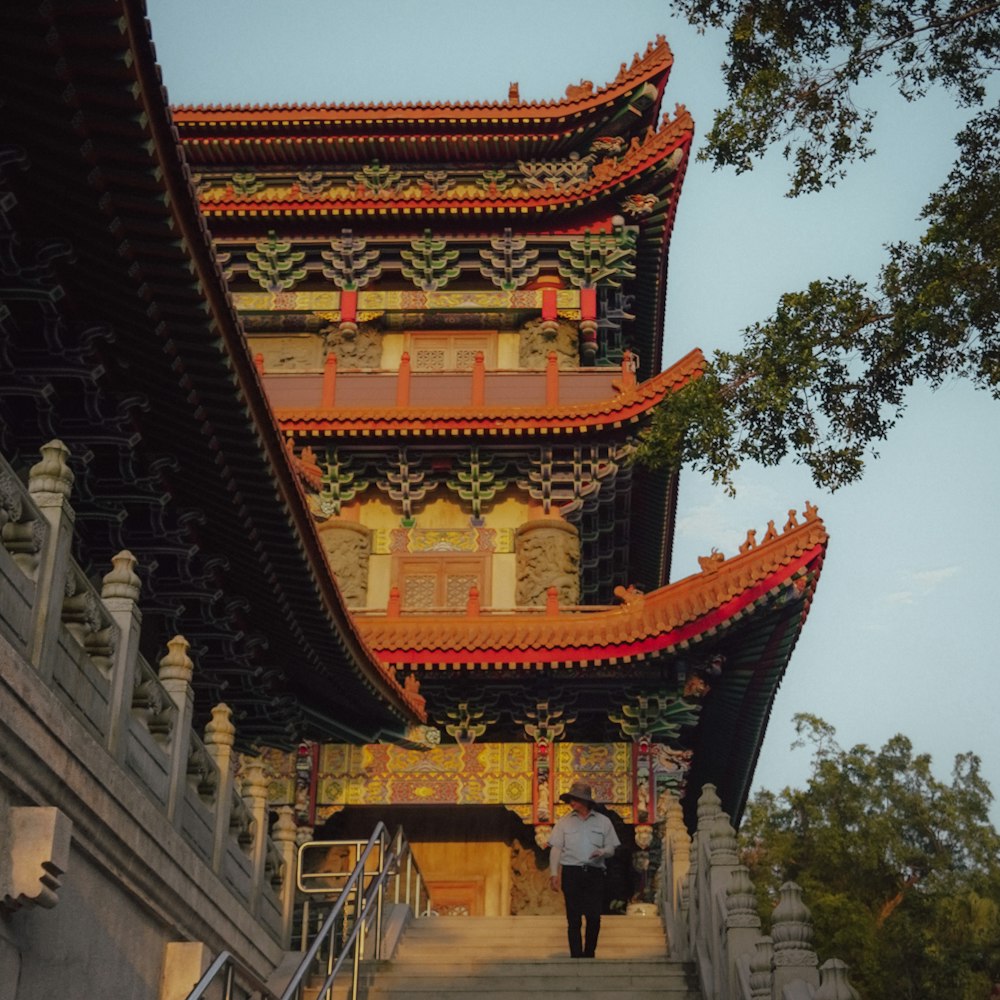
(580, 791)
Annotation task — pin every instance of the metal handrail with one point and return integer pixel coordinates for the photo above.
(229, 965)
(395, 861)
(379, 835)
(354, 943)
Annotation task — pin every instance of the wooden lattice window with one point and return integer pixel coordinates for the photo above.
(441, 580)
(450, 352)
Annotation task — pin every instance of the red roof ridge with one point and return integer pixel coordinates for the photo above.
(676, 614)
(656, 58)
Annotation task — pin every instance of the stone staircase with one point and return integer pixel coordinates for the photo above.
(523, 958)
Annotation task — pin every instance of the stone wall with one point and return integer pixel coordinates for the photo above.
(122, 832)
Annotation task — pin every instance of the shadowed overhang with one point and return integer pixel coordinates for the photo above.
(120, 338)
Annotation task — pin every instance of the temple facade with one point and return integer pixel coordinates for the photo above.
(456, 312)
(318, 507)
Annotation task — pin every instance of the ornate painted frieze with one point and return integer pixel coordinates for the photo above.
(388, 541)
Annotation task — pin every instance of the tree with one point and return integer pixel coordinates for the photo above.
(900, 870)
(825, 378)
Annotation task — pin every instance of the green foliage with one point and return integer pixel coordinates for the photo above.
(792, 70)
(825, 378)
(900, 870)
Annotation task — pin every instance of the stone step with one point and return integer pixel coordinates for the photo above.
(557, 966)
(577, 991)
(644, 929)
(524, 958)
(585, 975)
(514, 951)
(513, 938)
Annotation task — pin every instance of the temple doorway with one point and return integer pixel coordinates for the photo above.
(476, 860)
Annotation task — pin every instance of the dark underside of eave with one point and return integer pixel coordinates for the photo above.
(754, 652)
(735, 717)
(122, 364)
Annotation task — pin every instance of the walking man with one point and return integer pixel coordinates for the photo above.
(581, 842)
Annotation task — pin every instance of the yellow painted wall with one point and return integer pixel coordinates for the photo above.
(508, 350)
(487, 864)
(446, 511)
(392, 350)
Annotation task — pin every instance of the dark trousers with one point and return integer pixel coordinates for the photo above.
(583, 890)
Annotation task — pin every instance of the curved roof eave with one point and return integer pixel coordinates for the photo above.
(628, 407)
(652, 67)
(645, 625)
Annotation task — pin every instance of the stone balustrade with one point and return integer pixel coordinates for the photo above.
(83, 645)
(709, 908)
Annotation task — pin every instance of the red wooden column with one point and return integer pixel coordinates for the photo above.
(403, 381)
(552, 379)
(479, 380)
(329, 382)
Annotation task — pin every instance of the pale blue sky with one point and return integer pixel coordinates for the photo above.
(904, 631)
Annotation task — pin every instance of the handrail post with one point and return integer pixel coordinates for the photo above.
(255, 789)
(176, 670)
(220, 735)
(359, 944)
(120, 594)
(283, 834)
(50, 483)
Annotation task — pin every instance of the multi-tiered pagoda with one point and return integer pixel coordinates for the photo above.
(457, 315)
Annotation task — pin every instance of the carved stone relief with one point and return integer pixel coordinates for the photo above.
(292, 353)
(355, 346)
(537, 342)
(548, 555)
(530, 894)
(347, 545)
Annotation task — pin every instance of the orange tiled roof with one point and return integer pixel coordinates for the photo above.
(652, 150)
(657, 59)
(628, 407)
(644, 625)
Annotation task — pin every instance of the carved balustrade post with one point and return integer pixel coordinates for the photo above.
(176, 670)
(50, 483)
(834, 984)
(677, 858)
(724, 860)
(255, 792)
(220, 735)
(742, 926)
(284, 835)
(120, 593)
(791, 931)
(760, 969)
(700, 900)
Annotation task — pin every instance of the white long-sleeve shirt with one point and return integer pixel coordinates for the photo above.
(582, 840)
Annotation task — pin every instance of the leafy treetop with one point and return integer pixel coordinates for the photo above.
(900, 870)
(825, 378)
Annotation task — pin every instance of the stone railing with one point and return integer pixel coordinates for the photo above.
(709, 907)
(83, 645)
